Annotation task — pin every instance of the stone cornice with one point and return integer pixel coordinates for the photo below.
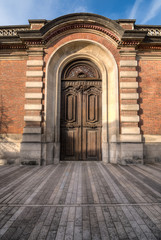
(21, 37)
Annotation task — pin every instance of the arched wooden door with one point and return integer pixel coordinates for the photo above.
(81, 112)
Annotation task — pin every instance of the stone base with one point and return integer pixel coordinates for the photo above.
(10, 148)
(30, 153)
(152, 152)
(131, 153)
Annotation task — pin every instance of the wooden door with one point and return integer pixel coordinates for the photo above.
(81, 118)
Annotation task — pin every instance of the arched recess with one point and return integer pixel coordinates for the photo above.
(102, 57)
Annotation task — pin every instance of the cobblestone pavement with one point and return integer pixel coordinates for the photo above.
(80, 200)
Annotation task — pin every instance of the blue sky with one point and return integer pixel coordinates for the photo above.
(17, 12)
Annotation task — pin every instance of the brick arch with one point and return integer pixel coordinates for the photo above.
(104, 60)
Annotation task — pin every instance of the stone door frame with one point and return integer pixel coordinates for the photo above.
(103, 58)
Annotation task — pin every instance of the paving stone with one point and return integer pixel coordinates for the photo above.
(80, 200)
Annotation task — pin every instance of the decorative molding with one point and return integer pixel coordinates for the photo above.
(11, 32)
(128, 84)
(34, 84)
(128, 63)
(128, 74)
(34, 73)
(33, 95)
(151, 47)
(130, 118)
(152, 31)
(13, 46)
(129, 95)
(84, 26)
(130, 43)
(129, 107)
(32, 118)
(150, 57)
(35, 63)
(33, 106)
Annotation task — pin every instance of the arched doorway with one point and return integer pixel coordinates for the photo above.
(102, 58)
(81, 112)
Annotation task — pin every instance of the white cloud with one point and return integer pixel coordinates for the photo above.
(18, 11)
(80, 9)
(155, 7)
(134, 9)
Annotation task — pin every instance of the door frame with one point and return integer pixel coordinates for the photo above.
(106, 63)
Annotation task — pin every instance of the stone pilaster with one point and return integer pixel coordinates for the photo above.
(31, 141)
(131, 147)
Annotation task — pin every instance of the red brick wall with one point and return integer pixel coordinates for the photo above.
(150, 95)
(12, 95)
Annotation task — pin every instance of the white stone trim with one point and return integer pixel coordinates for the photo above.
(149, 57)
(129, 95)
(131, 138)
(129, 107)
(34, 84)
(31, 138)
(128, 74)
(36, 63)
(33, 95)
(128, 63)
(152, 138)
(130, 130)
(128, 84)
(105, 61)
(32, 130)
(34, 73)
(129, 118)
(32, 118)
(33, 106)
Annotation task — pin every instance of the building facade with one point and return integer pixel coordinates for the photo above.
(80, 87)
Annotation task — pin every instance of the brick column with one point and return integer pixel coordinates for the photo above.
(31, 142)
(130, 137)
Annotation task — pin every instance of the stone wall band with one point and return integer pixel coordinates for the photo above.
(129, 85)
(34, 84)
(128, 74)
(128, 63)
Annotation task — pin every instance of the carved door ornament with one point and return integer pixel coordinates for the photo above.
(81, 69)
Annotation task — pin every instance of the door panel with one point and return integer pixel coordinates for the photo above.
(69, 144)
(81, 120)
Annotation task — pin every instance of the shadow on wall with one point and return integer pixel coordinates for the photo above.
(9, 145)
(5, 120)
